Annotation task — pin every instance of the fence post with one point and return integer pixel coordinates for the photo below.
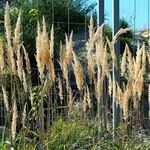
(115, 28)
(100, 12)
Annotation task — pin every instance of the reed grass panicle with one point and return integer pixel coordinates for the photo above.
(25, 85)
(2, 59)
(88, 97)
(26, 57)
(5, 98)
(60, 88)
(51, 46)
(14, 120)
(17, 33)
(19, 63)
(78, 71)
(24, 114)
(7, 23)
(124, 62)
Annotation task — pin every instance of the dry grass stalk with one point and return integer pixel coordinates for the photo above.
(124, 62)
(14, 120)
(60, 88)
(5, 98)
(26, 57)
(2, 60)
(78, 71)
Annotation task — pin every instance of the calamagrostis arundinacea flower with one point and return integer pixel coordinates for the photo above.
(10, 50)
(131, 68)
(88, 97)
(14, 120)
(119, 95)
(24, 114)
(84, 103)
(69, 47)
(7, 23)
(113, 54)
(17, 33)
(99, 84)
(2, 60)
(120, 32)
(42, 46)
(138, 62)
(110, 85)
(17, 45)
(5, 98)
(99, 33)
(105, 63)
(24, 81)
(45, 49)
(91, 34)
(124, 62)
(51, 70)
(125, 103)
(140, 83)
(19, 64)
(39, 52)
(26, 57)
(143, 59)
(63, 63)
(51, 46)
(60, 88)
(78, 71)
(91, 66)
(89, 48)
